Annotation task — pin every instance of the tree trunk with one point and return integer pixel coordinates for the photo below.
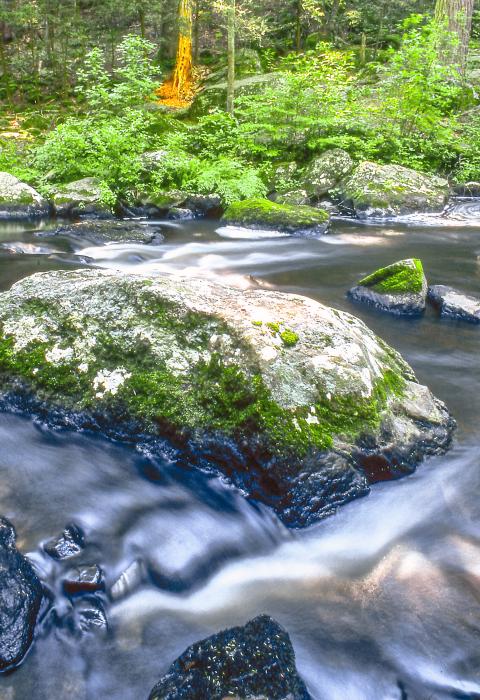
(231, 57)
(456, 16)
(182, 77)
(298, 26)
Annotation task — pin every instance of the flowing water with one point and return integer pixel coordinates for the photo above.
(382, 601)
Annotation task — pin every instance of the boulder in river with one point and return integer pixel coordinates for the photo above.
(20, 599)
(107, 231)
(300, 405)
(83, 198)
(399, 289)
(256, 661)
(453, 304)
(264, 214)
(324, 172)
(374, 190)
(20, 201)
(70, 543)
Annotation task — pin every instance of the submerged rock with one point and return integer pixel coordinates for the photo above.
(453, 304)
(70, 543)
(20, 201)
(400, 288)
(389, 190)
(262, 213)
(101, 232)
(84, 579)
(20, 599)
(323, 173)
(83, 198)
(254, 662)
(287, 397)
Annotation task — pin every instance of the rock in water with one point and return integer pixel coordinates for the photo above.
(298, 404)
(254, 662)
(389, 190)
(20, 598)
(400, 288)
(101, 232)
(453, 304)
(262, 213)
(70, 543)
(20, 201)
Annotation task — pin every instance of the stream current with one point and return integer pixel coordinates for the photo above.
(382, 600)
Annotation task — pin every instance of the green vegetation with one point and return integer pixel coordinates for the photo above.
(399, 278)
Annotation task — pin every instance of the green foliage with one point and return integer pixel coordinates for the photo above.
(15, 159)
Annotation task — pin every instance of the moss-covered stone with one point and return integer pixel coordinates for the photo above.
(89, 197)
(279, 379)
(264, 213)
(399, 278)
(400, 288)
(390, 190)
(18, 200)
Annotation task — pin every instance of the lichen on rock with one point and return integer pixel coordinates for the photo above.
(277, 391)
(20, 201)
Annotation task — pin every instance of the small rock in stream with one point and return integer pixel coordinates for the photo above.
(399, 289)
(70, 543)
(453, 304)
(84, 579)
(102, 232)
(255, 662)
(20, 599)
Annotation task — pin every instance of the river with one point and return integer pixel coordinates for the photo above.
(382, 600)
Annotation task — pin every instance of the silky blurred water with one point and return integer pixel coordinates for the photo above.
(382, 601)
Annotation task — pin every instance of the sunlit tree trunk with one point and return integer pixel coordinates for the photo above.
(231, 56)
(298, 26)
(456, 15)
(182, 77)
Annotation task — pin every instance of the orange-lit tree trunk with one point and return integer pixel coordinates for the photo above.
(182, 77)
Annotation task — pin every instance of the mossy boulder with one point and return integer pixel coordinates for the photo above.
(262, 213)
(215, 95)
(256, 661)
(399, 289)
(20, 201)
(293, 198)
(374, 190)
(300, 405)
(84, 198)
(323, 173)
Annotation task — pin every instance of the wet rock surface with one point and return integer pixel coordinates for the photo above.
(84, 579)
(67, 545)
(399, 289)
(276, 391)
(108, 231)
(20, 599)
(454, 304)
(20, 201)
(252, 662)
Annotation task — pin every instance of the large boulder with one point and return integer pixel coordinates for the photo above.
(390, 190)
(300, 405)
(454, 304)
(83, 198)
(264, 214)
(255, 662)
(20, 599)
(215, 95)
(20, 201)
(399, 289)
(323, 173)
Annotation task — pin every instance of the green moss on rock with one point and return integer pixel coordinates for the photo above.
(405, 276)
(263, 212)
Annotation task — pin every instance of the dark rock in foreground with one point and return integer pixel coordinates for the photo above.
(70, 543)
(453, 304)
(20, 599)
(399, 289)
(110, 231)
(291, 400)
(247, 663)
